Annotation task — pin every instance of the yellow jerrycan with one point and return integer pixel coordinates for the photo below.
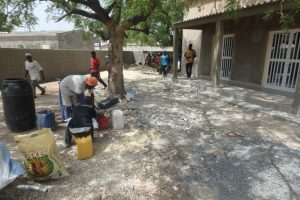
(84, 147)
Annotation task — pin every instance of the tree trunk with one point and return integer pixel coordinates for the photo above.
(115, 77)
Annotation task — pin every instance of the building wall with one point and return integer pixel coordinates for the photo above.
(194, 37)
(56, 63)
(250, 40)
(143, 48)
(205, 57)
(250, 47)
(28, 42)
(42, 44)
(249, 50)
(74, 40)
(46, 40)
(203, 8)
(208, 7)
(27, 37)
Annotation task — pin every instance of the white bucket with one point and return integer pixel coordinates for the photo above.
(117, 119)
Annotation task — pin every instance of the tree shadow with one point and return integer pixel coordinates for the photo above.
(201, 151)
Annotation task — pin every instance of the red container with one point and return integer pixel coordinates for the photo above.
(103, 122)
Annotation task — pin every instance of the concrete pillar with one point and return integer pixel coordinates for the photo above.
(216, 59)
(296, 104)
(175, 53)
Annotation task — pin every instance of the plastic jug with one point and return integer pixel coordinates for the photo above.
(45, 119)
(84, 147)
(103, 122)
(130, 94)
(117, 119)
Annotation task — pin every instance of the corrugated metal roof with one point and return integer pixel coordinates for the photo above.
(249, 4)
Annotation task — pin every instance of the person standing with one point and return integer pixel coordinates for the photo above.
(72, 86)
(148, 59)
(189, 55)
(179, 63)
(164, 63)
(94, 68)
(35, 71)
(156, 61)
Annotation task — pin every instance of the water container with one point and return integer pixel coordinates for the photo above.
(103, 122)
(130, 94)
(18, 105)
(45, 119)
(117, 119)
(84, 147)
(108, 102)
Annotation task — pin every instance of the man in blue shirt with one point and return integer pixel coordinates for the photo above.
(164, 63)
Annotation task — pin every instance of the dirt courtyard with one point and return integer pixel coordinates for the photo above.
(175, 145)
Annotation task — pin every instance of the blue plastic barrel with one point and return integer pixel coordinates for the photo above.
(45, 119)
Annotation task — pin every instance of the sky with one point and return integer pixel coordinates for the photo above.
(43, 24)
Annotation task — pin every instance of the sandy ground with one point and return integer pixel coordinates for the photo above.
(175, 145)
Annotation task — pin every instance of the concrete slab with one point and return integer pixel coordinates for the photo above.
(278, 105)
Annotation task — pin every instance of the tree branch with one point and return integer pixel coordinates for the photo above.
(110, 7)
(145, 30)
(96, 7)
(79, 12)
(104, 36)
(138, 18)
(83, 2)
(99, 10)
(17, 5)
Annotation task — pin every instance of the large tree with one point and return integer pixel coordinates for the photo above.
(112, 19)
(159, 26)
(16, 13)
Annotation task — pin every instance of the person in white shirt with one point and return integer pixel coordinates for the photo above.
(35, 71)
(74, 85)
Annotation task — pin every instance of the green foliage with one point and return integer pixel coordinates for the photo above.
(90, 28)
(159, 25)
(16, 13)
(156, 28)
(269, 15)
(232, 6)
(133, 7)
(286, 18)
(286, 21)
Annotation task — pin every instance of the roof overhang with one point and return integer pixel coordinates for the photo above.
(198, 23)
